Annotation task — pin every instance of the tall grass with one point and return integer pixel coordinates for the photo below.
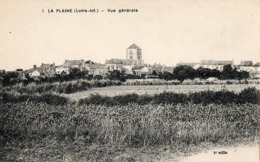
(50, 99)
(187, 82)
(60, 87)
(248, 95)
(132, 125)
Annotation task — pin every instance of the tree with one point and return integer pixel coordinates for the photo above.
(19, 70)
(165, 75)
(203, 73)
(215, 73)
(228, 72)
(6, 80)
(75, 73)
(183, 72)
(242, 75)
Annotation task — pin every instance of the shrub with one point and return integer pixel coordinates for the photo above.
(44, 98)
(250, 95)
(131, 125)
(61, 87)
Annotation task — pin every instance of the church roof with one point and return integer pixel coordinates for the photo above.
(120, 61)
(134, 46)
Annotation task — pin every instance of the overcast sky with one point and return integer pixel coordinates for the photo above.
(168, 31)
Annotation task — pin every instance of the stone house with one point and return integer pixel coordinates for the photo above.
(256, 73)
(45, 70)
(246, 66)
(194, 65)
(96, 69)
(79, 64)
(257, 66)
(62, 69)
(218, 65)
(143, 71)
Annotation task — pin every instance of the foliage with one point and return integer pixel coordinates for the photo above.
(117, 75)
(6, 80)
(166, 76)
(44, 98)
(249, 95)
(60, 87)
(131, 125)
(183, 72)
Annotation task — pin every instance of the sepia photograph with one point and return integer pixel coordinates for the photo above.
(129, 80)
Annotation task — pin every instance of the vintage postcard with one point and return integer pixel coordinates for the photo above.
(130, 80)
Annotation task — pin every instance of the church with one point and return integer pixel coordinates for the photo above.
(134, 53)
(133, 58)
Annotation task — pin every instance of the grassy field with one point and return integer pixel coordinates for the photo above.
(156, 89)
(159, 127)
(42, 132)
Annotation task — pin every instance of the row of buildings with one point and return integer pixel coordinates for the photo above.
(132, 64)
(249, 66)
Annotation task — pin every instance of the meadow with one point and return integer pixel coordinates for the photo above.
(58, 87)
(128, 127)
(43, 132)
(157, 89)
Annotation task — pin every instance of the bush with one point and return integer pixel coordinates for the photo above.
(62, 87)
(250, 95)
(131, 125)
(44, 98)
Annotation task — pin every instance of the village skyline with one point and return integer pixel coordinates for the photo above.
(27, 67)
(198, 61)
(167, 31)
(235, 62)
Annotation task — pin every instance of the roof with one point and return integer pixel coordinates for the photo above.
(168, 69)
(188, 64)
(121, 61)
(257, 64)
(73, 62)
(246, 63)
(223, 62)
(96, 66)
(62, 66)
(207, 62)
(212, 62)
(138, 67)
(47, 65)
(89, 62)
(40, 70)
(158, 68)
(134, 46)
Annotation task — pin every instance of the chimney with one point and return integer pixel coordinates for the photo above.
(34, 66)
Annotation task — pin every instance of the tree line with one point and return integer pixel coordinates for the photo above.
(184, 72)
(180, 73)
